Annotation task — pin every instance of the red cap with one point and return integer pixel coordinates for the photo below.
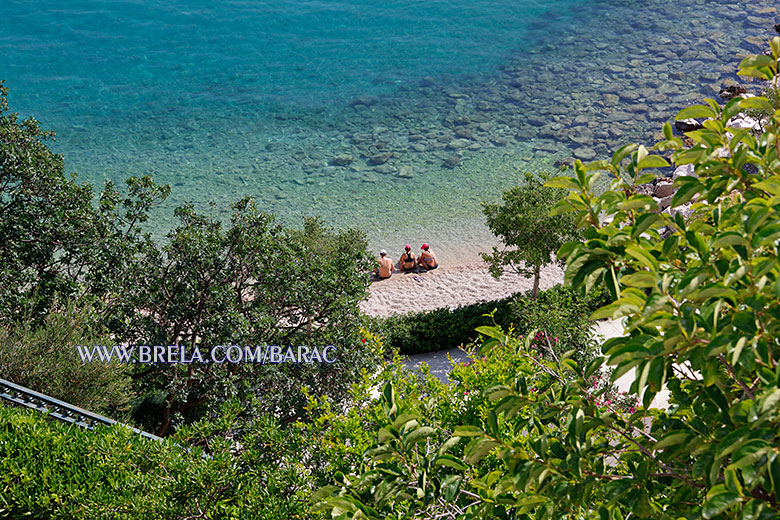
(424, 246)
(407, 247)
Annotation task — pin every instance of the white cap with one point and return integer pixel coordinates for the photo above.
(382, 252)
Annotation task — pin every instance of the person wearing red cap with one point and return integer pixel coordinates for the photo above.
(427, 259)
(407, 262)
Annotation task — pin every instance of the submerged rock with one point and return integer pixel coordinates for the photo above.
(380, 158)
(364, 101)
(385, 169)
(732, 91)
(452, 161)
(457, 144)
(427, 81)
(688, 125)
(464, 132)
(585, 153)
(342, 160)
(405, 172)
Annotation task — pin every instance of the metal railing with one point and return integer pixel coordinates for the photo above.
(22, 396)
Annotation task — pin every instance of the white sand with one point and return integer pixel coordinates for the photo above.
(448, 287)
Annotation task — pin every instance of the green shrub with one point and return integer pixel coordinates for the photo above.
(440, 329)
(559, 311)
(561, 317)
(44, 358)
(52, 470)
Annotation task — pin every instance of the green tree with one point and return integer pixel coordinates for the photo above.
(252, 282)
(523, 223)
(54, 244)
(700, 297)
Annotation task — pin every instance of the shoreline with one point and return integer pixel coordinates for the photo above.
(448, 287)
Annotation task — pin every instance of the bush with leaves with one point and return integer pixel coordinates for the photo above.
(562, 314)
(45, 358)
(700, 299)
(234, 468)
(440, 329)
(524, 224)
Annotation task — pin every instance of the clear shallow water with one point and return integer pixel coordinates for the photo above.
(438, 103)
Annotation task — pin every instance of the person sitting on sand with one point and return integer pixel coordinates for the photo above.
(427, 259)
(385, 269)
(407, 262)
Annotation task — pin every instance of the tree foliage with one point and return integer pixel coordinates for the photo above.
(58, 471)
(700, 298)
(254, 282)
(524, 224)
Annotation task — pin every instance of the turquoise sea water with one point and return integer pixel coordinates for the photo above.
(397, 117)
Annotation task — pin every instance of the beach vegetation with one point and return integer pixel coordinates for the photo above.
(54, 470)
(43, 357)
(559, 312)
(529, 234)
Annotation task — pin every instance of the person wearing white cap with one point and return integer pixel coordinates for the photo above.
(385, 269)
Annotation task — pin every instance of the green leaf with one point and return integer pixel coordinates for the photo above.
(322, 493)
(771, 185)
(444, 448)
(451, 462)
(757, 60)
(729, 238)
(696, 112)
(671, 439)
(478, 448)
(491, 332)
(467, 431)
(643, 222)
(719, 502)
(567, 183)
(622, 153)
(593, 366)
(652, 161)
(685, 192)
(644, 257)
(451, 487)
(759, 103)
(417, 435)
(639, 279)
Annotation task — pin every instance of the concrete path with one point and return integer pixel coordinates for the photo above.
(439, 362)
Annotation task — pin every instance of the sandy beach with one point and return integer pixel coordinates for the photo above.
(448, 287)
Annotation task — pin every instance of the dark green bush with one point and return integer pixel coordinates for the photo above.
(45, 359)
(561, 317)
(440, 329)
(560, 311)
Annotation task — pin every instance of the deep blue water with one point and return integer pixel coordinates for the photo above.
(86, 58)
(225, 99)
